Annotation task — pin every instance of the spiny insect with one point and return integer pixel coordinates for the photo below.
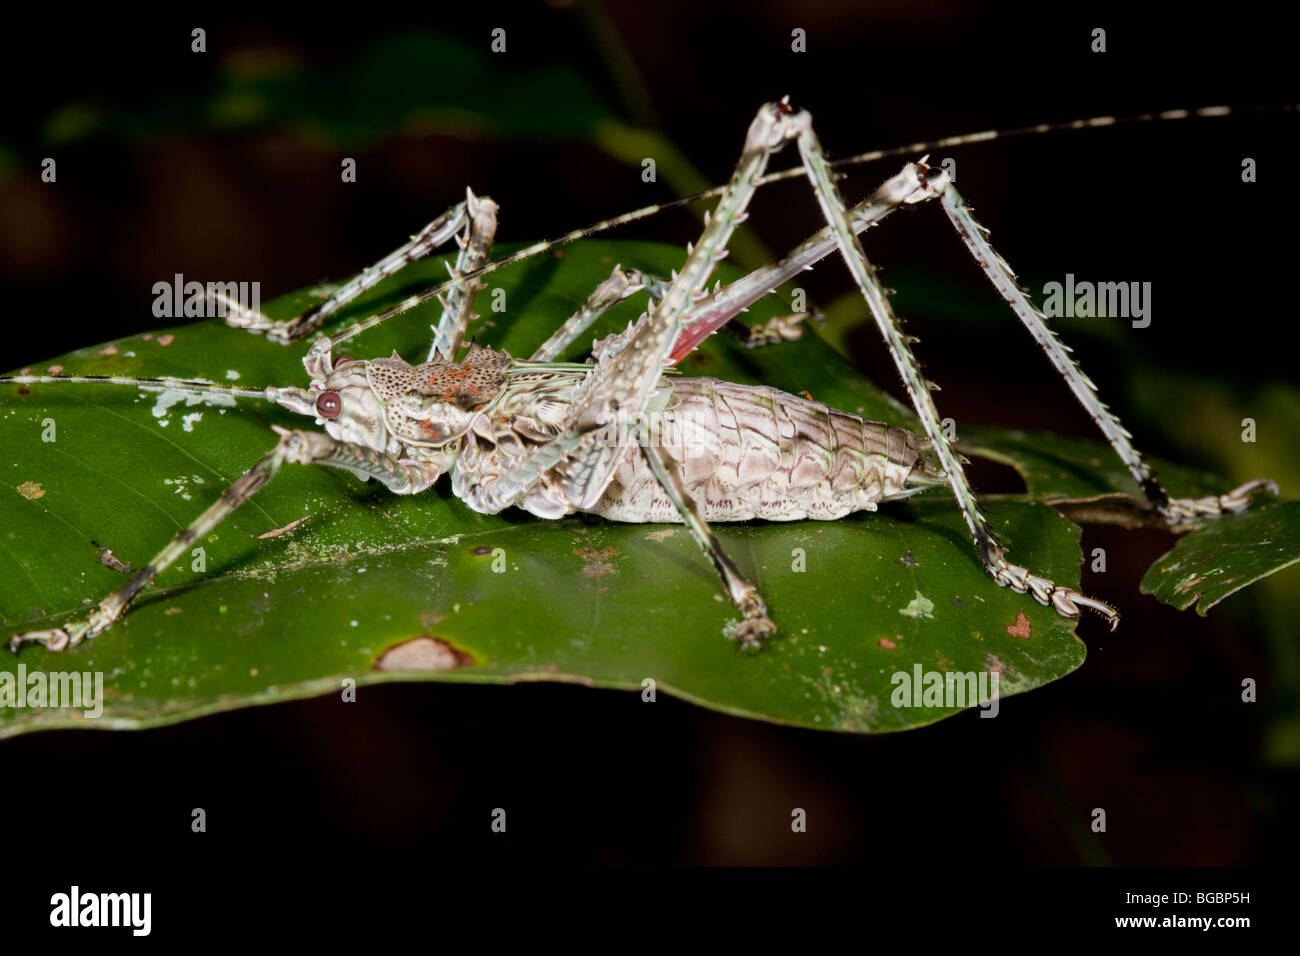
(619, 435)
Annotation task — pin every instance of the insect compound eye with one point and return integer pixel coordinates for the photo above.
(329, 405)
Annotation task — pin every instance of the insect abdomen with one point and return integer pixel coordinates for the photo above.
(757, 452)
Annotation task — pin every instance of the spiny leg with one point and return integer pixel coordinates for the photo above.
(458, 305)
(1066, 601)
(294, 447)
(756, 624)
(1175, 511)
(284, 331)
(619, 286)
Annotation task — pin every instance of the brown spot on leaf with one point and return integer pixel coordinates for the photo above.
(1021, 628)
(661, 535)
(31, 490)
(481, 551)
(172, 610)
(108, 350)
(166, 340)
(55, 369)
(422, 653)
(886, 643)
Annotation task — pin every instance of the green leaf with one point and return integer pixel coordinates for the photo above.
(344, 593)
(1227, 555)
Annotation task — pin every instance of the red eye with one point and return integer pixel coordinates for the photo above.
(329, 405)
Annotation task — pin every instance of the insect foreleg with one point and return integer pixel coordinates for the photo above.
(1066, 601)
(294, 447)
(756, 624)
(458, 306)
(284, 331)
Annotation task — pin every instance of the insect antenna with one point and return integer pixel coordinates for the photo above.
(924, 146)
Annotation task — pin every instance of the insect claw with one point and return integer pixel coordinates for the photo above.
(1183, 510)
(55, 639)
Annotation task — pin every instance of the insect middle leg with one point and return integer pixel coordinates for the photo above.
(578, 464)
(294, 447)
(756, 625)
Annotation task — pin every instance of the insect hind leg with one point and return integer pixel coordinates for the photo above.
(906, 189)
(1174, 511)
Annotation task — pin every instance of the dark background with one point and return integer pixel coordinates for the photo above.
(1150, 728)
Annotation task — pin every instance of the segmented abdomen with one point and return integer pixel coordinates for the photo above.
(757, 452)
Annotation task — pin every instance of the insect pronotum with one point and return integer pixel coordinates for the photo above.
(557, 437)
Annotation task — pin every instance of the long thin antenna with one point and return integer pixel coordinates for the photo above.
(922, 147)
